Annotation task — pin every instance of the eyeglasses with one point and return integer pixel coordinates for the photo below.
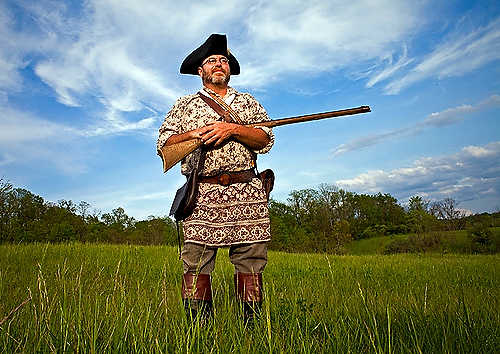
(213, 61)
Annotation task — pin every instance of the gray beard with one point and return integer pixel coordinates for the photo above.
(217, 80)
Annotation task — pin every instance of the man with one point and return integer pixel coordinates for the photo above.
(231, 206)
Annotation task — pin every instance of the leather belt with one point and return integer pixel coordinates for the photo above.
(227, 178)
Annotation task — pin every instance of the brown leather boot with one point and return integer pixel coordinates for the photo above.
(249, 292)
(197, 297)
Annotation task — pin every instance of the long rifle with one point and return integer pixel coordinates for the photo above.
(171, 154)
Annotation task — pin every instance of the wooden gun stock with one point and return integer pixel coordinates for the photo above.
(171, 154)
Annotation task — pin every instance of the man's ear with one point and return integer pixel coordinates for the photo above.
(200, 70)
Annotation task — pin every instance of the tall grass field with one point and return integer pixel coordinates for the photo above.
(106, 298)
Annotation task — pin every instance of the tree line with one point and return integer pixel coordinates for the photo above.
(326, 218)
(26, 217)
(321, 220)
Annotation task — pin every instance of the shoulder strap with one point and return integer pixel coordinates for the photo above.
(227, 107)
(216, 107)
(201, 161)
(227, 115)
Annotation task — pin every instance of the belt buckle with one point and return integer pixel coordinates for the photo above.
(225, 179)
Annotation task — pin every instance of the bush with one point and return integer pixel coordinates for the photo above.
(481, 237)
(373, 231)
(399, 246)
(415, 244)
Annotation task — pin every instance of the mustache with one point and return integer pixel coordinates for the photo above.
(208, 76)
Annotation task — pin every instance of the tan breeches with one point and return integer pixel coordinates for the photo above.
(246, 258)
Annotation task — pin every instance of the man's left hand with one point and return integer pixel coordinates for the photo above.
(217, 132)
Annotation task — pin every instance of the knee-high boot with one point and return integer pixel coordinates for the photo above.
(249, 292)
(197, 296)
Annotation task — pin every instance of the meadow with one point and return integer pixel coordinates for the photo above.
(101, 298)
(438, 242)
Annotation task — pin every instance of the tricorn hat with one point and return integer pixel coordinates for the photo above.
(215, 44)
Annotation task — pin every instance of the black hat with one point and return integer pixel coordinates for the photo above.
(215, 44)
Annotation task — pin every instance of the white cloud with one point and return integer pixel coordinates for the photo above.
(478, 151)
(124, 52)
(316, 36)
(10, 56)
(128, 52)
(26, 139)
(113, 123)
(391, 68)
(107, 71)
(437, 119)
(19, 42)
(457, 55)
(18, 127)
(370, 140)
(466, 175)
(456, 114)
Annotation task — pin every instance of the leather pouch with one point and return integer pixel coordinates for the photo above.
(267, 178)
(185, 197)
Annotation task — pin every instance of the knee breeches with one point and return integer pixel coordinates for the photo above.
(246, 258)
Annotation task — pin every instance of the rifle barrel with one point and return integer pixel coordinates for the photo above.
(315, 116)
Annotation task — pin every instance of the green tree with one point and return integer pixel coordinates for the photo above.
(376, 215)
(448, 211)
(5, 209)
(283, 226)
(118, 219)
(419, 219)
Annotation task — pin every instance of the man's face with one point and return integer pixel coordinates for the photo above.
(215, 70)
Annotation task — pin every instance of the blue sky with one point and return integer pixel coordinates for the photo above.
(84, 87)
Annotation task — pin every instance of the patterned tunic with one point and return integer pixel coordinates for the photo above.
(224, 215)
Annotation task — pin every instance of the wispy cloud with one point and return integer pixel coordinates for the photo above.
(92, 52)
(457, 55)
(371, 140)
(105, 55)
(468, 174)
(95, 51)
(456, 114)
(436, 119)
(391, 68)
(17, 127)
(123, 52)
(106, 71)
(11, 56)
(315, 36)
(26, 138)
(113, 123)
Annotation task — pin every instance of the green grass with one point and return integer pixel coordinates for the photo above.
(105, 298)
(369, 246)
